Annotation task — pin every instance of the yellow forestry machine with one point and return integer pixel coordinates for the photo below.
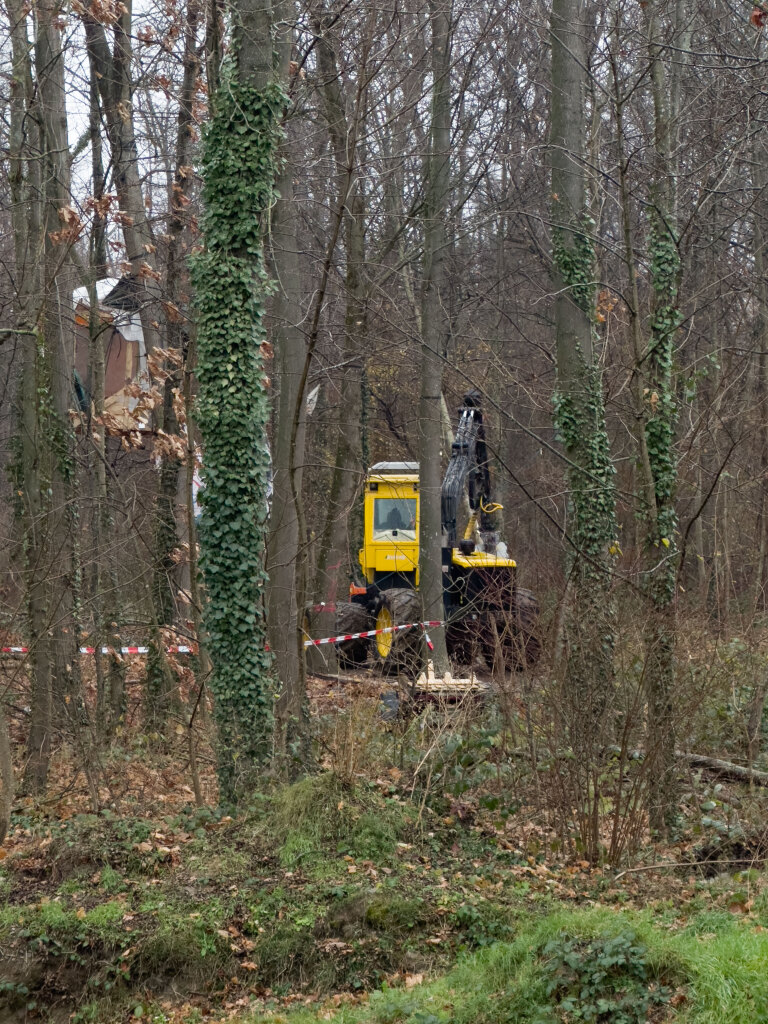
(486, 613)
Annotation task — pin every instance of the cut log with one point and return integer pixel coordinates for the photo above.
(725, 769)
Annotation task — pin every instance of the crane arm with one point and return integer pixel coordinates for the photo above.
(468, 468)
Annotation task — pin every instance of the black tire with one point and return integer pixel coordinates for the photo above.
(513, 634)
(401, 653)
(352, 618)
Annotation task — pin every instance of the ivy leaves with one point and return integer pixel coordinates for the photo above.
(661, 415)
(231, 286)
(575, 263)
(580, 413)
(239, 165)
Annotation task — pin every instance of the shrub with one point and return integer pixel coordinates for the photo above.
(605, 979)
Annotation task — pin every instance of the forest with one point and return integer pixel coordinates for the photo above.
(384, 511)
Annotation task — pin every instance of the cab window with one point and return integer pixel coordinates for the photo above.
(394, 517)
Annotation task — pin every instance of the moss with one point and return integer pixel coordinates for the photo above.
(220, 863)
(395, 914)
(297, 849)
(104, 917)
(111, 880)
(316, 806)
(70, 887)
(188, 945)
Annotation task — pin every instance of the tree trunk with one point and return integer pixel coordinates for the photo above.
(103, 591)
(57, 321)
(25, 183)
(589, 618)
(580, 413)
(229, 278)
(165, 538)
(335, 547)
(760, 212)
(112, 70)
(434, 330)
(655, 369)
(286, 552)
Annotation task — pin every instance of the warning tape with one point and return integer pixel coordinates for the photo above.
(374, 632)
(430, 624)
(107, 650)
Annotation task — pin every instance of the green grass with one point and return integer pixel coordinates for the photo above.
(720, 977)
(319, 816)
(57, 921)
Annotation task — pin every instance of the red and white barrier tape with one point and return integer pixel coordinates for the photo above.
(307, 643)
(106, 650)
(373, 632)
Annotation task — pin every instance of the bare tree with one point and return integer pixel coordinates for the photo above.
(434, 326)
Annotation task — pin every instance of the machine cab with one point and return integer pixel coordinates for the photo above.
(390, 553)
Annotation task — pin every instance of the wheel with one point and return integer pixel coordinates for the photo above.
(402, 652)
(512, 634)
(352, 618)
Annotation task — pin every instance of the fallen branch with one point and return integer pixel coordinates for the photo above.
(676, 864)
(725, 769)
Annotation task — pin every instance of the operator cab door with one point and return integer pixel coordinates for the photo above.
(390, 557)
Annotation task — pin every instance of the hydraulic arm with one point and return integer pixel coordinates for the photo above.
(468, 468)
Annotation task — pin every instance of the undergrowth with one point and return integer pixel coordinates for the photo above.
(307, 890)
(323, 889)
(588, 965)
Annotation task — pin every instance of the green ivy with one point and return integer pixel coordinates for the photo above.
(576, 263)
(579, 416)
(661, 406)
(231, 286)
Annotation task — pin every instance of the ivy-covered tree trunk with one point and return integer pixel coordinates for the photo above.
(7, 780)
(230, 281)
(659, 424)
(579, 406)
(434, 329)
(589, 623)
